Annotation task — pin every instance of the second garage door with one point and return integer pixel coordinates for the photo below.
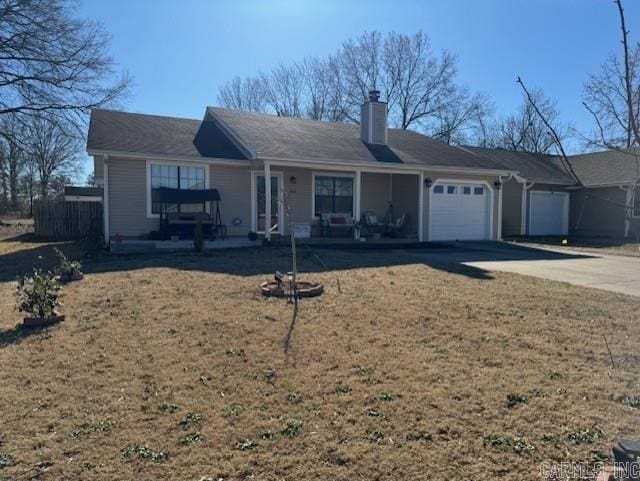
(548, 213)
(460, 211)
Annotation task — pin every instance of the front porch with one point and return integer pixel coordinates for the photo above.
(330, 204)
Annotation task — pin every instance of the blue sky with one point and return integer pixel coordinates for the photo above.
(181, 52)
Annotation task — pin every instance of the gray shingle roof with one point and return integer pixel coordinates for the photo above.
(534, 167)
(115, 131)
(609, 167)
(302, 139)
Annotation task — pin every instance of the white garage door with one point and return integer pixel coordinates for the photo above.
(549, 213)
(460, 211)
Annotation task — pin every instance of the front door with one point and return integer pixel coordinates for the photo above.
(275, 225)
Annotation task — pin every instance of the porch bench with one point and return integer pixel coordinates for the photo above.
(188, 218)
(336, 221)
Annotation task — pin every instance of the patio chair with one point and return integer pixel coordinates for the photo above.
(370, 224)
(396, 228)
(337, 221)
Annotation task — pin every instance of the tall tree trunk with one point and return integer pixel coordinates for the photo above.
(13, 183)
(44, 186)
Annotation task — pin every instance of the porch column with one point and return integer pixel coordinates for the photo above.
(526, 186)
(267, 201)
(421, 206)
(499, 230)
(628, 212)
(357, 196)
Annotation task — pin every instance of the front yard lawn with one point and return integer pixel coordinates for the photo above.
(172, 367)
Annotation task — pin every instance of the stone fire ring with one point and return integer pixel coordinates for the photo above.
(304, 289)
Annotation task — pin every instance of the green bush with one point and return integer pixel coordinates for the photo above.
(38, 295)
(66, 266)
(198, 237)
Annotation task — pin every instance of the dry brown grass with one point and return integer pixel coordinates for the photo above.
(447, 347)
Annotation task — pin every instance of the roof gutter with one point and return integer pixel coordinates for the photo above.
(182, 158)
(599, 186)
(381, 166)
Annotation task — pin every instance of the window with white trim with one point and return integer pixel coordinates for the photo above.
(176, 177)
(438, 189)
(333, 195)
(478, 190)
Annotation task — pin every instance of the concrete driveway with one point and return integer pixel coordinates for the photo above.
(612, 273)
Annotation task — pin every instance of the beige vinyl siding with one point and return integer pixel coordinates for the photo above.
(511, 208)
(128, 198)
(600, 215)
(374, 189)
(299, 194)
(234, 185)
(404, 196)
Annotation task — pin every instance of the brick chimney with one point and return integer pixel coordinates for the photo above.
(373, 120)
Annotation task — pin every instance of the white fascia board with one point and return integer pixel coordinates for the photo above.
(169, 158)
(390, 168)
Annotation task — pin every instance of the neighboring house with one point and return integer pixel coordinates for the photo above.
(446, 192)
(609, 178)
(544, 198)
(83, 194)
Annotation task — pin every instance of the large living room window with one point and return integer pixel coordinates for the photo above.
(176, 177)
(333, 195)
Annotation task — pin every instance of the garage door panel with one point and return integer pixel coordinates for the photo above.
(548, 213)
(458, 213)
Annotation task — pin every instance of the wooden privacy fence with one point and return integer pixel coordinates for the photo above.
(61, 219)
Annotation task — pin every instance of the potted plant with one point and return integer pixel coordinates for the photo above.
(253, 236)
(39, 296)
(68, 270)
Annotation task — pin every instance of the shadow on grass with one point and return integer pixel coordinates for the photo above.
(19, 333)
(37, 253)
(251, 261)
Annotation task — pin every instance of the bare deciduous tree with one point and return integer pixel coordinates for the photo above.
(360, 61)
(11, 139)
(247, 94)
(284, 90)
(52, 62)
(526, 130)
(418, 85)
(52, 150)
(464, 119)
